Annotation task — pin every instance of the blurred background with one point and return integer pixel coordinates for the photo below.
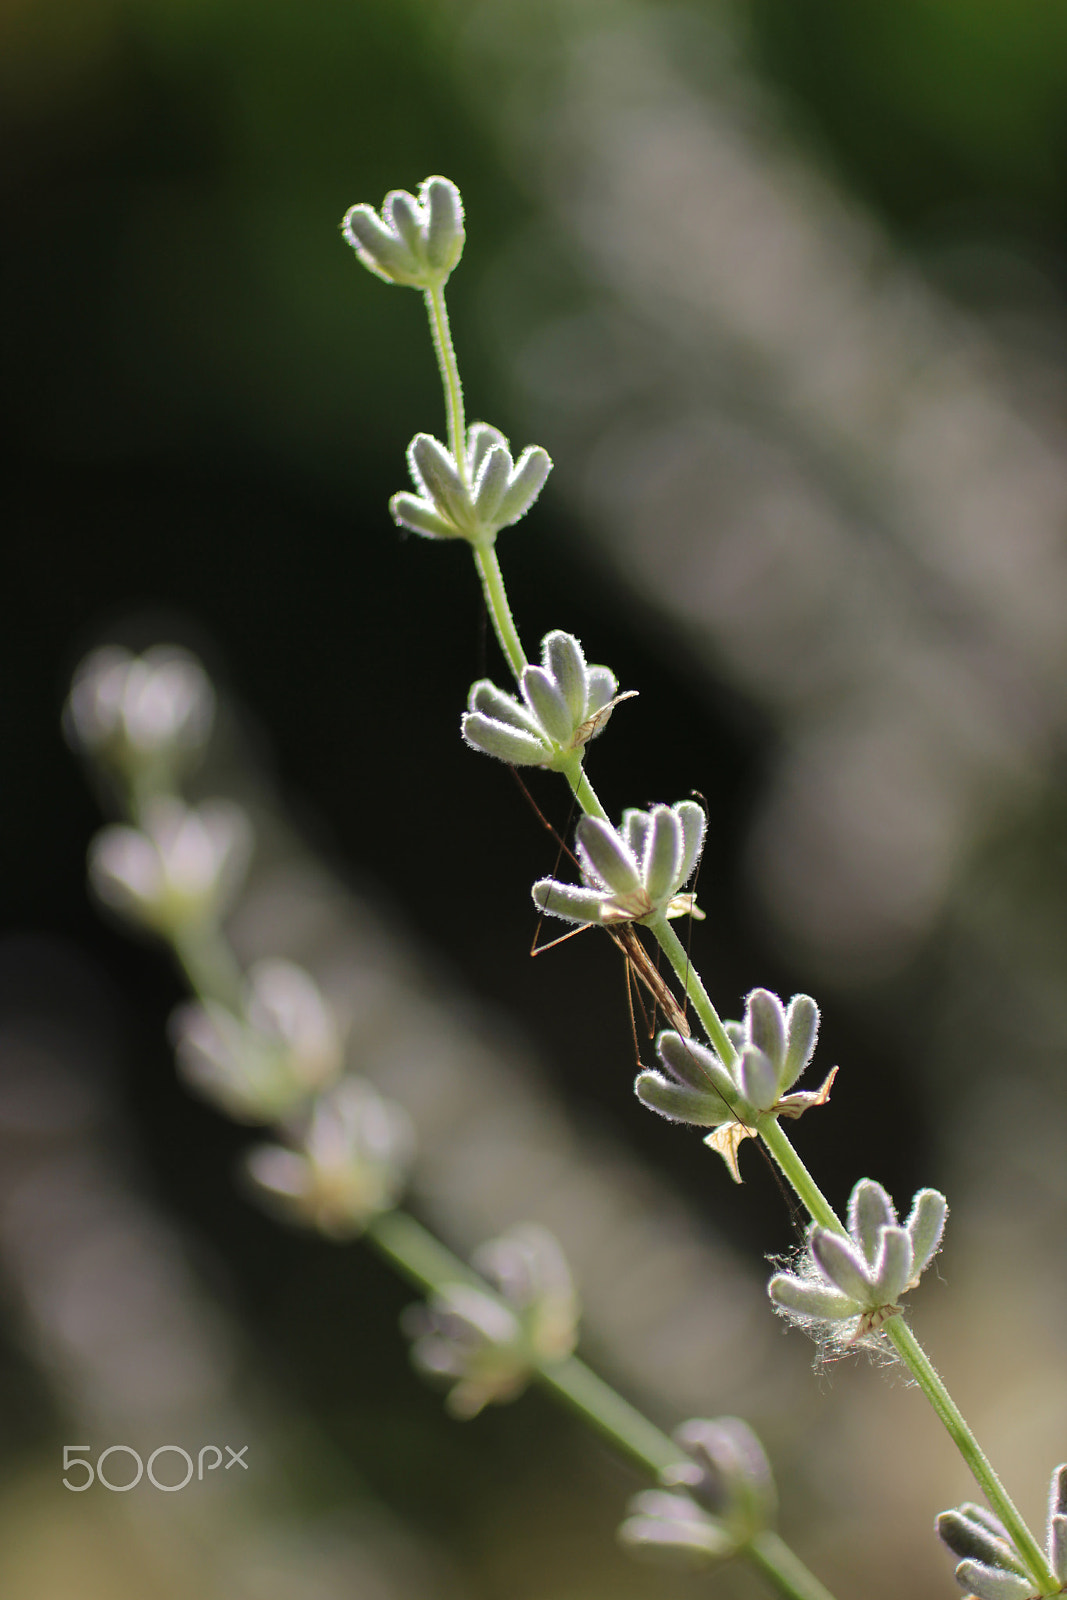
(781, 289)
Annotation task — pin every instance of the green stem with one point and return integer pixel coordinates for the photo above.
(581, 788)
(798, 1177)
(496, 600)
(926, 1376)
(426, 1262)
(571, 1379)
(446, 361)
(587, 1394)
(416, 1253)
(678, 956)
(210, 965)
(773, 1557)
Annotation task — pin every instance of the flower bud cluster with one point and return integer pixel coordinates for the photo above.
(492, 1345)
(474, 498)
(849, 1285)
(713, 1503)
(260, 1066)
(773, 1046)
(416, 242)
(991, 1567)
(634, 873)
(347, 1163)
(564, 704)
(136, 713)
(180, 869)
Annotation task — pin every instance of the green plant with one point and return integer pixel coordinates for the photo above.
(263, 1046)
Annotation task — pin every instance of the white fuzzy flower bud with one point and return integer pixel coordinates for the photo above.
(349, 1164)
(152, 711)
(182, 868)
(491, 1346)
(260, 1066)
(415, 242)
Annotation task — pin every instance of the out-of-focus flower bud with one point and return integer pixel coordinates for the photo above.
(349, 1164)
(492, 1345)
(415, 242)
(633, 874)
(492, 492)
(772, 1047)
(260, 1066)
(849, 1286)
(150, 713)
(715, 1500)
(182, 868)
(564, 704)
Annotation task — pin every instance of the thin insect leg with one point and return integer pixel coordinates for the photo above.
(626, 936)
(564, 847)
(633, 1019)
(539, 949)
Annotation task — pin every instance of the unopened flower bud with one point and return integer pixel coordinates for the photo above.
(182, 868)
(633, 873)
(492, 1345)
(564, 704)
(849, 1284)
(349, 1163)
(261, 1065)
(141, 713)
(715, 1501)
(493, 491)
(416, 242)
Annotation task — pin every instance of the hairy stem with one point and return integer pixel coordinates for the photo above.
(587, 1392)
(496, 601)
(446, 361)
(926, 1376)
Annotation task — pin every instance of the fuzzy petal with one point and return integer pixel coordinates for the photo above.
(696, 1065)
(410, 511)
(493, 702)
(561, 655)
(700, 1109)
(379, 249)
(892, 1270)
(758, 1079)
(601, 686)
(993, 1583)
(568, 901)
(869, 1211)
(614, 862)
(693, 823)
(481, 437)
(766, 1025)
(434, 469)
(971, 1540)
(802, 1031)
(528, 479)
(925, 1225)
(504, 743)
(491, 483)
(662, 858)
(545, 699)
(815, 1300)
(444, 233)
(843, 1264)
